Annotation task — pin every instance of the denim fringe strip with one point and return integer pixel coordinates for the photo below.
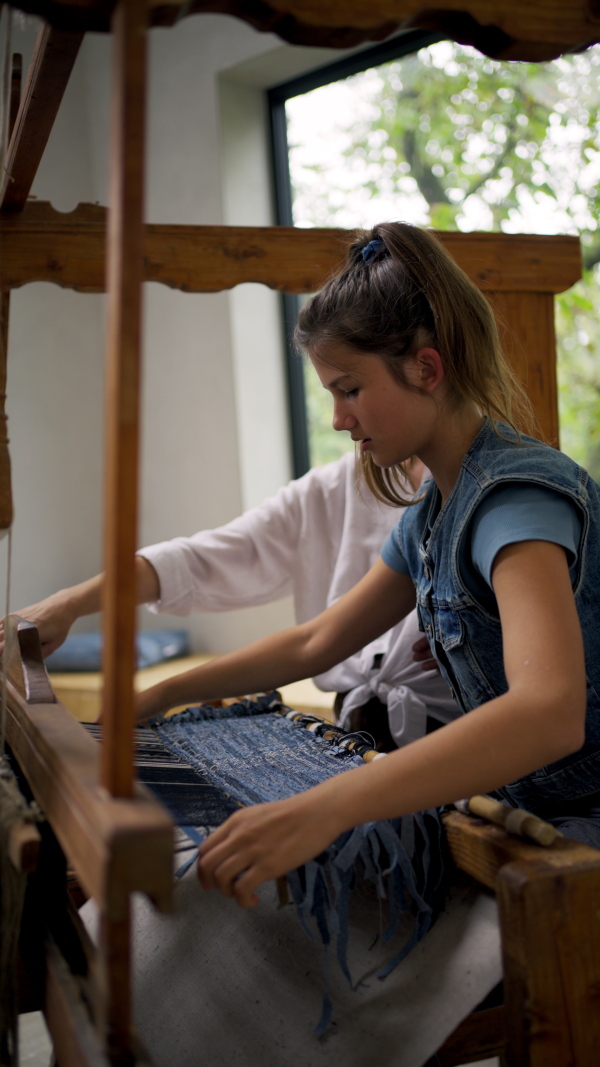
(258, 751)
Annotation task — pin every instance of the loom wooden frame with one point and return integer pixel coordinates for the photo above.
(101, 819)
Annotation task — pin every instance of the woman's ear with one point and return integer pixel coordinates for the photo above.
(428, 369)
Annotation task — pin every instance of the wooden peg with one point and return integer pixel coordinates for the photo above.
(515, 820)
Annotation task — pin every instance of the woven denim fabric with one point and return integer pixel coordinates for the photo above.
(193, 799)
(254, 755)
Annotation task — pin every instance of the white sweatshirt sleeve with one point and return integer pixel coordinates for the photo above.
(288, 544)
(314, 539)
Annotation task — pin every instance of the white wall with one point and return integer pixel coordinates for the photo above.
(215, 436)
(55, 391)
(256, 325)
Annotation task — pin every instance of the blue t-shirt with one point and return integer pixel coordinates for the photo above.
(510, 513)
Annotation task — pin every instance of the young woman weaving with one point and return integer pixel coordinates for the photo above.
(501, 554)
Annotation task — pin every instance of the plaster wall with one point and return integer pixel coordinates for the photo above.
(215, 435)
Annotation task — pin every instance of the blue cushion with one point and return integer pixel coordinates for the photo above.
(83, 652)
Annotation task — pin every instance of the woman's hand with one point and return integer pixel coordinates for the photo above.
(422, 654)
(55, 615)
(53, 618)
(264, 842)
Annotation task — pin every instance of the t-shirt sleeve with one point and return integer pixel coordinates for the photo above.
(522, 512)
(392, 553)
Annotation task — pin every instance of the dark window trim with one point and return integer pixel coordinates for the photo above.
(394, 48)
(402, 44)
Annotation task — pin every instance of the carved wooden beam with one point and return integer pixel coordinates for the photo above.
(537, 30)
(49, 72)
(519, 273)
(41, 244)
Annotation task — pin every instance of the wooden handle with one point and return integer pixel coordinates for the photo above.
(515, 820)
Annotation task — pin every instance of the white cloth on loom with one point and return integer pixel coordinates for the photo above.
(315, 539)
(217, 985)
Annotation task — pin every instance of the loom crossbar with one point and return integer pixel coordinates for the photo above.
(520, 274)
(504, 29)
(41, 244)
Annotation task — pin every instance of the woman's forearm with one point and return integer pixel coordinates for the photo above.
(55, 615)
(377, 602)
(503, 740)
(259, 667)
(538, 721)
(492, 745)
(86, 598)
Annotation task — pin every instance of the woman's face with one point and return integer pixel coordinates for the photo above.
(393, 422)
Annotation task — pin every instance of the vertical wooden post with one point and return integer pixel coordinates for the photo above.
(124, 277)
(529, 339)
(115, 947)
(6, 506)
(550, 921)
(123, 284)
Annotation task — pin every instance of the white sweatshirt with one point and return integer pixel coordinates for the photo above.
(314, 539)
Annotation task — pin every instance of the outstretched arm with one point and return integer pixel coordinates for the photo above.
(55, 615)
(380, 600)
(538, 720)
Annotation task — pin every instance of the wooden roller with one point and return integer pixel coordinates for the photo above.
(515, 820)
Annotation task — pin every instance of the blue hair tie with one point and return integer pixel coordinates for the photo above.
(372, 249)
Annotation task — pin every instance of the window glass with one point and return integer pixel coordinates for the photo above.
(449, 138)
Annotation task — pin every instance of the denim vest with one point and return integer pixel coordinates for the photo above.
(466, 638)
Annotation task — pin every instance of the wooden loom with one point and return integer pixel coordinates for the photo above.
(114, 834)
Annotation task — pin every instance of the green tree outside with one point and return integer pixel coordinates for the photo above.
(452, 139)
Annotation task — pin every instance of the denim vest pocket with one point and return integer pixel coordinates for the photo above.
(449, 630)
(451, 633)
